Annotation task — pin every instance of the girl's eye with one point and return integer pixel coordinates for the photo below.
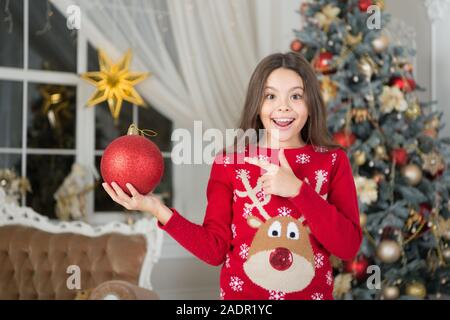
(270, 96)
(297, 97)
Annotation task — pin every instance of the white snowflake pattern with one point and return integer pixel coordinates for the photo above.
(284, 211)
(318, 260)
(244, 251)
(240, 172)
(317, 296)
(227, 261)
(247, 212)
(303, 158)
(334, 155)
(226, 161)
(321, 174)
(236, 284)
(329, 277)
(233, 229)
(276, 295)
(222, 294)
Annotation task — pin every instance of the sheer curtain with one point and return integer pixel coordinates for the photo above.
(200, 53)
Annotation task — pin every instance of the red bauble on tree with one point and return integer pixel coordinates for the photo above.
(357, 267)
(133, 159)
(323, 62)
(405, 84)
(364, 4)
(344, 138)
(296, 45)
(399, 156)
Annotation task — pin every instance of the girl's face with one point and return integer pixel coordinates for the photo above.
(284, 112)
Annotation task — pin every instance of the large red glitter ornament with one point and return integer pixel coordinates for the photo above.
(133, 159)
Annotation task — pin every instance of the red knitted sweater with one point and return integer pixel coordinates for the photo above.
(272, 247)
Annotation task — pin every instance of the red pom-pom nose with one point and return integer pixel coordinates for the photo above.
(281, 259)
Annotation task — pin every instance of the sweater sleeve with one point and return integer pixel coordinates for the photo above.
(210, 241)
(334, 223)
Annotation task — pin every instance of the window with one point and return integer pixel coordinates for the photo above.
(43, 118)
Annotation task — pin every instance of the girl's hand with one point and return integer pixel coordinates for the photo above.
(278, 180)
(146, 203)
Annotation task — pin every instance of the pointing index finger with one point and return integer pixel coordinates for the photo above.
(269, 167)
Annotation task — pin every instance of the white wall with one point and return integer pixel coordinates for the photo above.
(442, 65)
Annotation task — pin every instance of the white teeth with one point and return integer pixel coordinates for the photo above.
(283, 119)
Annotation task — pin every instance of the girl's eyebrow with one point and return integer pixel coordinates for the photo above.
(268, 87)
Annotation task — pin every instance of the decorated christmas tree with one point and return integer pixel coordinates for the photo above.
(393, 142)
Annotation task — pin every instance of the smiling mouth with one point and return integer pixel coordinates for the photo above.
(283, 122)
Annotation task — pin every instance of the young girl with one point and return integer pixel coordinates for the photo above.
(273, 220)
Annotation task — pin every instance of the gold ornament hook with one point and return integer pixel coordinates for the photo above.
(134, 130)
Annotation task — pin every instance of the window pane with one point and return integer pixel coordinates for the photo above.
(11, 34)
(12, 162)
(105, 128)
(10, 114)
(52, 44)
(46, 173)
(51, 116)
(149, 118)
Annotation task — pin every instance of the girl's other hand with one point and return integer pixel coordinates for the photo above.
(145, 203)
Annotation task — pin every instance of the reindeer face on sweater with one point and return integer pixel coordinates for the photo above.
(280, 257)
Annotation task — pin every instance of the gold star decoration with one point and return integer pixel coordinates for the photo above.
(115, 83)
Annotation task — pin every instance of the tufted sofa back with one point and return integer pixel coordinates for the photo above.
(34, 263)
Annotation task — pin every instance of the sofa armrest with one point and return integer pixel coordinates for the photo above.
(121, 290)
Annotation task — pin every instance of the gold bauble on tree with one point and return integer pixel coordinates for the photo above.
(412, 173)
(446, 254)
(381, 43)
(389, 251)
(390, 292)
(416, 289)
(360, 157)
(413, 111)
(115, 83)
(380, 152)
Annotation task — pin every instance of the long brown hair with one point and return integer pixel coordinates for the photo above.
(315, 130)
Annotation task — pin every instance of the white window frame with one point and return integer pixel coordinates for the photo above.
(84, 151)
